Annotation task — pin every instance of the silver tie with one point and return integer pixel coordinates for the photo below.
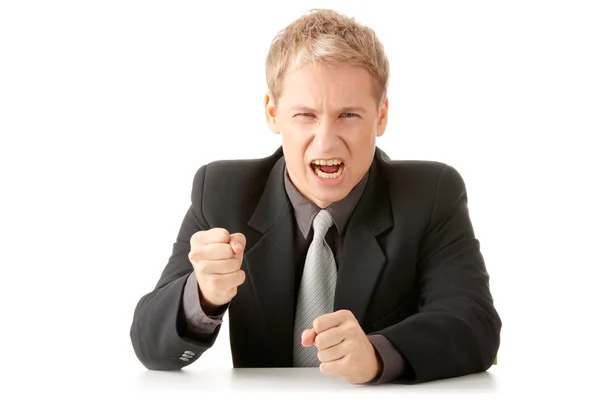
(317, 289)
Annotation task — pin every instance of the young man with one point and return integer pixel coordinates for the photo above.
(326, 253)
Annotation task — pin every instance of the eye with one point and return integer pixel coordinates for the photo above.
(349, 115)
(304, 115)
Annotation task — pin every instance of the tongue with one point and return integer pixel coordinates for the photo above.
(329, 169)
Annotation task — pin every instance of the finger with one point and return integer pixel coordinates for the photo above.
(334, 353)
(214, 235)
(332, 367)
(308, 337)
(331, 320)
(238, 242)
(211, 251)
(330, 337)
(219, 267)
(232, 292)
(229, 293)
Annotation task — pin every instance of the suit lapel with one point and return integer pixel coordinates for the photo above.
(270, 264)
(362, 258)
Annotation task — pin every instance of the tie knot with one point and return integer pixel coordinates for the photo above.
(322, 222)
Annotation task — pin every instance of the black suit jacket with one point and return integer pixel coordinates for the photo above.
(410, 269)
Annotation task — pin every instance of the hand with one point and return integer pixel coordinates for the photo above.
(343, 347)
(217, 257)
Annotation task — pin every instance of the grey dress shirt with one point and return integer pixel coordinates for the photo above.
(203, 326)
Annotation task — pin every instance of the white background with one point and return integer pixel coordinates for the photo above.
(108, 108)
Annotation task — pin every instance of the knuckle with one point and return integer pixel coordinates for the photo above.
(318, 324)
(231, 266)
(199, 265)
(324, 369)
(352, 329)
(319, 341)
(220, 234)
(200, 252)
(222, 252)
(352, 346)
(320, 356)
(196, 237)
(193, 254)
(197, 253)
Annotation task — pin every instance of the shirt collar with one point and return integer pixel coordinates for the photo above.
(305, 210)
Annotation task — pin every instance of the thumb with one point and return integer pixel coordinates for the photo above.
(237, 242)
(308, 337)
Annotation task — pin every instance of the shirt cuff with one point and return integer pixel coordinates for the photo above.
(197, 320)
(393, 363)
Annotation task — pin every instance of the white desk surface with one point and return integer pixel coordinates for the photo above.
(293, 383)
(298, 382)
(86, 381)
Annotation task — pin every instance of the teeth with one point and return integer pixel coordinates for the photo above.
(335, 161)
(328, 176)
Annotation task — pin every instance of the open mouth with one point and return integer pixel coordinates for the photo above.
(328, 169)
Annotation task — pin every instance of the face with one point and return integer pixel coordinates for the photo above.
(328, 118)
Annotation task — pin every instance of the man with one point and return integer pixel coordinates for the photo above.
(326, 253)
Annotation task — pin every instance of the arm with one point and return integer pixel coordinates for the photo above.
(159, 333)
(457, 329)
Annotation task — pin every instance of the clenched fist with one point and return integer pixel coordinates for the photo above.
(343, 347)
(216, 257)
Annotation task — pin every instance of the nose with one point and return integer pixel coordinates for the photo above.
(324, 137)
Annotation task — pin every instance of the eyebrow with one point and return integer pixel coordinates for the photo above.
(341, 110)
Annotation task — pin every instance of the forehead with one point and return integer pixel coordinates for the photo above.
(327, 85)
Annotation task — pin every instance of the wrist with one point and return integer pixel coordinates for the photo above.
(209, 308)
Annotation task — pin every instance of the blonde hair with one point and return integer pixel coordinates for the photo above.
(327, 36)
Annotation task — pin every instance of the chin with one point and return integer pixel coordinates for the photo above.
(327, 197)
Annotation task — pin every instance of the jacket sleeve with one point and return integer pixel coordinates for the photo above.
(159, 332)
(456, 330)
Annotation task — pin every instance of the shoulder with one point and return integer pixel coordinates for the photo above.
(224, 174)
(421, 180)
(231, 187)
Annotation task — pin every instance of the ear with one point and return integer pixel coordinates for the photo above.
(270, 113)
(383, 117)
